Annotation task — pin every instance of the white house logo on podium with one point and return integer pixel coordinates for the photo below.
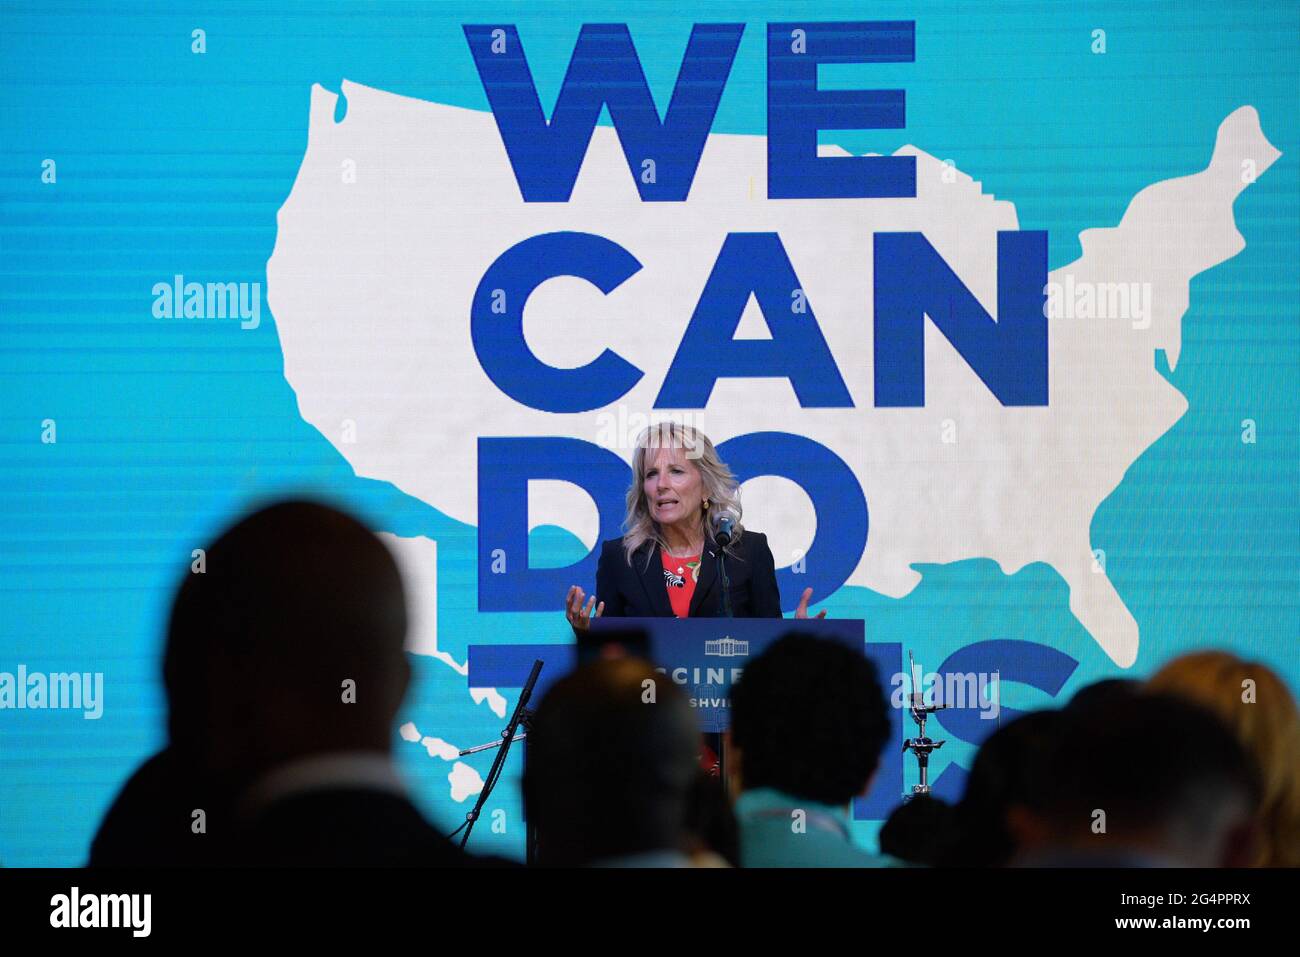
(727, 647)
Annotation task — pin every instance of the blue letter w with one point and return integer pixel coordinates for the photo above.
(604, 71)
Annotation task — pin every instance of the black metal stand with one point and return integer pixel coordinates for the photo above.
(522, 716)
(726, 583)
(921, 745)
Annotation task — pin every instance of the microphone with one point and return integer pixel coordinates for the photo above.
(722, 530)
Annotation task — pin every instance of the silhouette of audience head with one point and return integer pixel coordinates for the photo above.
(289, 642)
(1252, 700)
(809, 719)
(612, 760)
(1099, 693)
(998, 781)
(266, 628)
(713, 833)
(917, 830)
(605, 639)
(1141, 780)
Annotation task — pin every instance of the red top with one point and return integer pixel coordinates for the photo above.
(680, 576)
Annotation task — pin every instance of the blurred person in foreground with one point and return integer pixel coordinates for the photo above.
(611, 769)
(313, 612)
(1100, 693)
(713, 837)
(999, 778)
(175, 809)
(1253, 701)
(980, 835)
(808, 723)
(1146, 780)
(285, 669)
(918, 830)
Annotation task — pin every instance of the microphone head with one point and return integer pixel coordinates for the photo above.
(723, 528)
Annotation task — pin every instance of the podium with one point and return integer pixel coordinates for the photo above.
(704, 656)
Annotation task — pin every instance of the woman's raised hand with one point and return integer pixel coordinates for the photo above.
(802, 610)
(579, 617)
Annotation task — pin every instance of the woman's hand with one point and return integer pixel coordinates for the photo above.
(802, 610)
(579, 617)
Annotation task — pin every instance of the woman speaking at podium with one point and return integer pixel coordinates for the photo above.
(683, 499)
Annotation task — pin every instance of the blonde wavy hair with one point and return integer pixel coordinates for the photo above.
(1268, 727)
(721, 490)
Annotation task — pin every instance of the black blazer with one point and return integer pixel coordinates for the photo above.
(640, 592)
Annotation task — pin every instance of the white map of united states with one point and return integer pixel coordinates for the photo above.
(398, 210)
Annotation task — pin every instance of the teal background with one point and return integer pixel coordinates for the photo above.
(171, 162)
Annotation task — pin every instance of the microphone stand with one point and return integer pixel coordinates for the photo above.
(921, 745)
(722, 541)
(522, 715)
(726, 584)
